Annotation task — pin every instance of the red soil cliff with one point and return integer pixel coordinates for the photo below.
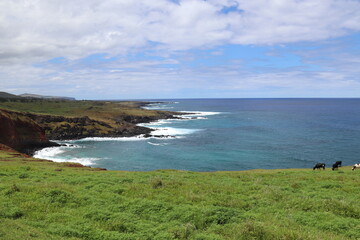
(21, 133)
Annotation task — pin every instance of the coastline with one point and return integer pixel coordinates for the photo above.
(31, 125)
(153, 130)
(139, 131)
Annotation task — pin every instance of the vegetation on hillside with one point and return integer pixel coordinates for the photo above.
(79, 119)
(4, 96)
(95, 109)
(46, 200)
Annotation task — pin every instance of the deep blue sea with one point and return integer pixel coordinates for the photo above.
(231, 134)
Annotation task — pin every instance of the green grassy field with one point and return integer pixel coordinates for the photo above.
(46, 200)
(101, 110)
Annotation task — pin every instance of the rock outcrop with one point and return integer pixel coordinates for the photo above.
(21, 133)
(29, 131)
(65, 128)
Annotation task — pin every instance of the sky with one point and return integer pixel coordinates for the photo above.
(161, 49)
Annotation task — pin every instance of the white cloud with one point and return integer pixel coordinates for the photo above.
(34, 31)
(148, 79)
(44, 29)
(282, 21)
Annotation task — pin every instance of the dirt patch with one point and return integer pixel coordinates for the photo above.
(37, 160)
(99, 169)
(75, 165)
(12, 151)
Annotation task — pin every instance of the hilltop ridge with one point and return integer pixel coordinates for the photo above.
(5, 95)
(30, 95)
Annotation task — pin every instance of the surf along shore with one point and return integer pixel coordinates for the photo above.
(29, 124)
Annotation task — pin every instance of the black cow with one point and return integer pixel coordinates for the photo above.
(319, 165)
(336, 165)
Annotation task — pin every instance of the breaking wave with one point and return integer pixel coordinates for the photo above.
(54, 154)
(160, 128)
(158, 144)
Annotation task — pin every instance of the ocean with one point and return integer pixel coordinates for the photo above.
(230, 135)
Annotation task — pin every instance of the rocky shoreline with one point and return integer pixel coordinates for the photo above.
(30, 132)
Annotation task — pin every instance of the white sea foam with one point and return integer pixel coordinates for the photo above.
(83, 161)
(158, 144)
(153, 106)
(48, 153)
(105, 139)
(52, 153)
(168, 131)
(191, 116)
(158, 107)
(155, 123)
(200, 113)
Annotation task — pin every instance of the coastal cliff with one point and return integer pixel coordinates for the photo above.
(64, 128)
(21, 133)
(29, 125)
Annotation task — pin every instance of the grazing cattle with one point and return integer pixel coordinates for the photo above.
(336, 165)
(319, 165)
(357, 165)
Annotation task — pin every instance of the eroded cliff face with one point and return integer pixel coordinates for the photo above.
(21, 133)
(29, 131)
(65, 128)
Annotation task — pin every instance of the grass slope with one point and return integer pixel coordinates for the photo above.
(94, 109)
(46, 200)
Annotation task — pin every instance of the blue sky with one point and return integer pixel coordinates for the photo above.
(181, 49)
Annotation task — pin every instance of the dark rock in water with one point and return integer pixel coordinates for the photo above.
(163, 136)
(147, 135)
(32, 148)
(158, 136)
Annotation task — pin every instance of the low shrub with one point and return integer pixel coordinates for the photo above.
(13, 189)
(156, 182)
(58, 196)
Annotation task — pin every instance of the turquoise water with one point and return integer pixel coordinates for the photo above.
(231, 134)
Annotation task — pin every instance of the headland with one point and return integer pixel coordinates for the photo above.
(30, 124)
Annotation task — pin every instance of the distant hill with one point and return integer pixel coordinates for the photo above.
(5, 95)
(8, 95)
(30, 95)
